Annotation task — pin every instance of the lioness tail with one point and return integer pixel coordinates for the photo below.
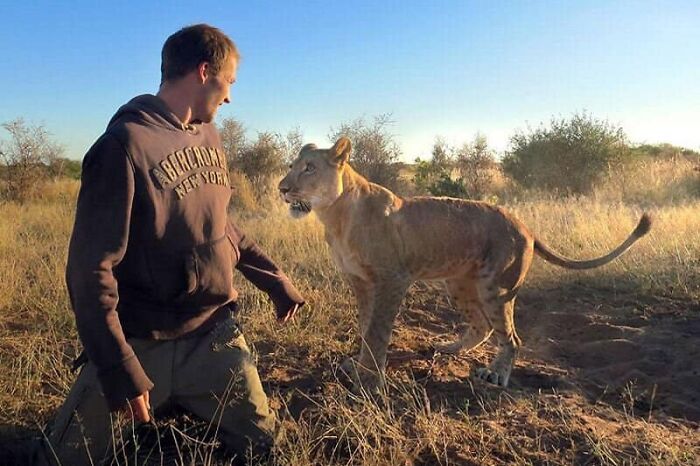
(547, 254)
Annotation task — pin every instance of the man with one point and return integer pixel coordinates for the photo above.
(150, 266)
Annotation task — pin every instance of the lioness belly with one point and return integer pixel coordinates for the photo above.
(444, 270)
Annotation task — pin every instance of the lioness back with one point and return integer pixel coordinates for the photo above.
(442, 235)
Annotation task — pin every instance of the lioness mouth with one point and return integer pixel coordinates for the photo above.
(300, 206)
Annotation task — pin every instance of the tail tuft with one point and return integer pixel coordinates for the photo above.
(643, 226)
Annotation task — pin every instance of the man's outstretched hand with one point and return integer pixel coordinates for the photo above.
(138, 408)
(289, 314)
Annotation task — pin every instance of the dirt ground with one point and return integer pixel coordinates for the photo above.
(596, 358)
(604, 344)
(606, 357)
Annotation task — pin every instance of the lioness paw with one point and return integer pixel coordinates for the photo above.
(361, 379)
(493, 377)
(348, 367)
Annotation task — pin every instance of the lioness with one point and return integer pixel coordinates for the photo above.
(383, 242)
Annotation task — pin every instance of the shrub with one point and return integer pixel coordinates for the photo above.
(262, 159)
(446, 186)
(26, 158)
(467, 172)
(476, 164)
(570, 156)
(68, 168)
(233, 139)
(374, 151)
(431, 175)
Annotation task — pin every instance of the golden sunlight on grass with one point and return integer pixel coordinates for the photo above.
(587, 388)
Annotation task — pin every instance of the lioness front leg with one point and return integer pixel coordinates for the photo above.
(371, 364)
(363, 291)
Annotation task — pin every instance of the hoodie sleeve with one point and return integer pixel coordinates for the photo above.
(97, 245)
(259, 269)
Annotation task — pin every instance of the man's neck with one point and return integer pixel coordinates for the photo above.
(172, 94)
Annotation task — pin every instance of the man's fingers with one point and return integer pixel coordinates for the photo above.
(138, 408)
(141, 412)
(290, 314)
(144, 416)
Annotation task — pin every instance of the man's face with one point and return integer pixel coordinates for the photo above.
(216, 90)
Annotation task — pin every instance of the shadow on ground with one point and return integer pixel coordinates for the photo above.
(628, 349)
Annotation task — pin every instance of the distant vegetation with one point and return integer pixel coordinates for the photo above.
(570, 156)
(467, 172)
(375, 153)
(27, 159)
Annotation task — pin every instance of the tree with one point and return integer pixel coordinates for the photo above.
(291, 145)
(434, 176)
(442, 155)
(233, 139)
(570, 156)
(476, 164)
(262, 159)
(374, 151)
(27, 158)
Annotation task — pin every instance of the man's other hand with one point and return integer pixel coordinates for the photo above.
(138, 408)
(289, 315)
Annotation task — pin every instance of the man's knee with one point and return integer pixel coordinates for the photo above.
(81, 430)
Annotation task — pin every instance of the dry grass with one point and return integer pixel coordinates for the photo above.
(431, 413)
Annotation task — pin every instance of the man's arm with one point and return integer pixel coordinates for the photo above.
(97, 245)
(257, 267)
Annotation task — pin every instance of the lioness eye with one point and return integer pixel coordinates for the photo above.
(309, 168)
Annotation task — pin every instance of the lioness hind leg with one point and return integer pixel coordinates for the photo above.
(501, 317)
(465, 297)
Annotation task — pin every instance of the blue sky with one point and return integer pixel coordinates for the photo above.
(448, 68)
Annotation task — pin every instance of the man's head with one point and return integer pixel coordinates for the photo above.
(204, 60)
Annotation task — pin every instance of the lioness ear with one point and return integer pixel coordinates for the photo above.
(340, 152)
(309, 146)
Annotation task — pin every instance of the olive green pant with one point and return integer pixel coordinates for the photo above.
(212, 376)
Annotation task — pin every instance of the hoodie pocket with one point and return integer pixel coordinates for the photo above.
(209, 273)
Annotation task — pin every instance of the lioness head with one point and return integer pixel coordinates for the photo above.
(315, 178)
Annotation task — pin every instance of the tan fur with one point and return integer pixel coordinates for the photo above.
(382, 243)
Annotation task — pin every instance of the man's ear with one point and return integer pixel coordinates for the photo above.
(203, 71)
(340, 152)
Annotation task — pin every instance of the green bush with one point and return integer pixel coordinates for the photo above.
(446, 186)
(467, 172)
(429, 173)
(569, 157)
(64, 167)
